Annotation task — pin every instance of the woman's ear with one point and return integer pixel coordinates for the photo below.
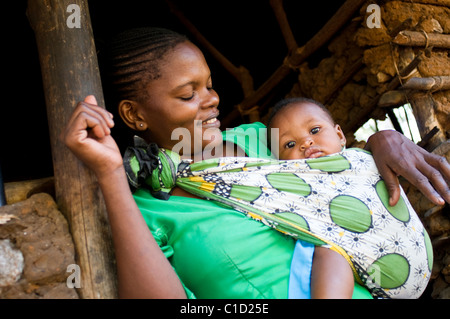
(341, 135)
(129, 112)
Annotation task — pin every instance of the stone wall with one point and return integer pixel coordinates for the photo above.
(36, 249)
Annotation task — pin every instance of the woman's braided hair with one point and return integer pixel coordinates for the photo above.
(134, 57)
(131, 60)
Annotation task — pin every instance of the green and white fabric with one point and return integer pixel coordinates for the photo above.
(337, 201)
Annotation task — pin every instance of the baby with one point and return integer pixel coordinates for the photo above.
(308, 131)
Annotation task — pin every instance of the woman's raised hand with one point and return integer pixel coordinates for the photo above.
(88, 136)
(395, 155)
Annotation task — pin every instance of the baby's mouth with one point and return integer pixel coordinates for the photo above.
(313, 152)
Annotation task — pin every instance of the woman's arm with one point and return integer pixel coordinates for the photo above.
(396, 155)
(143, 270)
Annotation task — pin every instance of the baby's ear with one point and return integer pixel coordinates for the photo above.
(341, 134)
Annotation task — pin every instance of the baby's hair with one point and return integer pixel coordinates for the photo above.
(296, 100)
(134, 57)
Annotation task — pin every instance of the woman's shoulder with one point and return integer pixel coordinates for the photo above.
(252, 138)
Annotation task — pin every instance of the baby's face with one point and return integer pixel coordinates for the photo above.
(306, 131)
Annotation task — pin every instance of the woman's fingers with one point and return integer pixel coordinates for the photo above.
(91, 102)
(396, 155)
(437, 173)
(391, 181)
(91, 118)
(90, 99)
(87, 121)
(88, 136)
(89, 107)
(428, 172)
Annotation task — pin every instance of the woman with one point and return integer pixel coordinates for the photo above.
(163, 83)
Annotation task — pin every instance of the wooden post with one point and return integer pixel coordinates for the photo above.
(432, 84)
(70, 72)
(295, 58)
(423, 109)
(421, 38)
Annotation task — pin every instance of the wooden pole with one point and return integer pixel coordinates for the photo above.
(299, 55)
(70, 72)
(365, 113)
(280, 15)
(423, 109)
(421, 38)
(432, 84)
(344, 13)
(241, 74)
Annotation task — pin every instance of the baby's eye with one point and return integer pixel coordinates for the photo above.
(315, 130)
(290, 144)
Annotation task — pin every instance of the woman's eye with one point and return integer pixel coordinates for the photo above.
(290, 144)
(315, 130)
(209, 84)
(187, 98)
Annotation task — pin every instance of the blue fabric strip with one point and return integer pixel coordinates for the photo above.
(300, 274)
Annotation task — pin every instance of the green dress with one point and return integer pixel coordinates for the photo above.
(218, 252)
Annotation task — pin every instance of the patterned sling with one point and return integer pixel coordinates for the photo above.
(337, 201)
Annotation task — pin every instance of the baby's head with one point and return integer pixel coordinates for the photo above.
(306, 129)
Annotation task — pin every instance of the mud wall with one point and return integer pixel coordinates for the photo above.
(36, 250)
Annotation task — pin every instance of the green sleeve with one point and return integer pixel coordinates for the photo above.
(161, 239)
(252, 138)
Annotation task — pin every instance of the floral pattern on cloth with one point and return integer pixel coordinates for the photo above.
(337, 201)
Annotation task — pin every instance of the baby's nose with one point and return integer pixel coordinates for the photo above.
(307, 142)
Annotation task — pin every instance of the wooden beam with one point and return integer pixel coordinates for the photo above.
(299, 55)
(392, 99)
(355, 67)
(422, 104)
(280, 15)
(70, 72)
(241, 74)
(422, 38)
(432, 84)
(364, 114)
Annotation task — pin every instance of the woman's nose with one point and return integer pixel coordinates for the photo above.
(210, 98)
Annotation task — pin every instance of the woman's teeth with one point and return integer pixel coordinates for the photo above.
(210, 121)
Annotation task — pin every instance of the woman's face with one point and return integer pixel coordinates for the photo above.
(182, 102)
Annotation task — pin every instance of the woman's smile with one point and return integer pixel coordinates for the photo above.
(212, 122)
